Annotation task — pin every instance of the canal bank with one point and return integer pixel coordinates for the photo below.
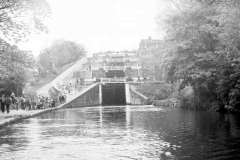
(89, 96)
(16, 116)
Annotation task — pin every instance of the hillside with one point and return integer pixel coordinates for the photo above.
(32, 86)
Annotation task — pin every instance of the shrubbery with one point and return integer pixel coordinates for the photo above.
(155, 91)
(204, 53)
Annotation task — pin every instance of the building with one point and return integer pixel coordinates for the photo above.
(111, 66)
(149, 44)
(151, 57)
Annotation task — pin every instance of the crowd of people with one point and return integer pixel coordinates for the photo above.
(29, 102)
(73, 85)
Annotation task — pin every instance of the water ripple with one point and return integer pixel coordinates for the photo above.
(122, 132)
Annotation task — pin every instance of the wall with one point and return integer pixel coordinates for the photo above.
(99, 73)
(127, 93)
(152, 61)
(137, 98)
(131, 73)
(88, 97)
(91, 97)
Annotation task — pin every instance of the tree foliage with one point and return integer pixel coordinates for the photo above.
(19, 17)
(61, 52)
(205, 50)
(13, 64)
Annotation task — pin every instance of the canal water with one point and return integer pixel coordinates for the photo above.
(123, 132)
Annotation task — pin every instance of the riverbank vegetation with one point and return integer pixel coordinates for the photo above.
(34, 83)
(19, 19)
(52, 61)
(204, 55)
(155, 91)
(60, 53)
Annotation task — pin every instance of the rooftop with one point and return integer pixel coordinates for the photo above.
(150, 41)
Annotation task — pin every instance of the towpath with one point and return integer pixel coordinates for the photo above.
(17, 113)
(4, 117)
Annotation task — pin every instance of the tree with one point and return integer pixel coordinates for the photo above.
(13, 64)
(61, 52)
(205, 50)
(19, 17)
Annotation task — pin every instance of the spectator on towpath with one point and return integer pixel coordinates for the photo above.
(28, 104)
(22, 103)
(8, 103)
(3, 103)
(14, 100)
(62, 98)
(38, 104)
(53, 102)
(17, 103)
(34, 103)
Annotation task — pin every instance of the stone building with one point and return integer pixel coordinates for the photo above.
(151, 58)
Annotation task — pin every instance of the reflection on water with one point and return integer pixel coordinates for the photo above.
(123, 132)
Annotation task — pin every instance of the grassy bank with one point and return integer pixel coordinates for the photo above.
(32, 85)
(165, 94)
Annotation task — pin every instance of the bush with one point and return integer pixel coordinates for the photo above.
(155, 91)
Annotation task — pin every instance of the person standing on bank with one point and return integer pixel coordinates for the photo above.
(3, 99)
(8, 103)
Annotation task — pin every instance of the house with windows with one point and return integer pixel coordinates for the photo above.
(150, 55)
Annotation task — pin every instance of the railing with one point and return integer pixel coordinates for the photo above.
(116, 67)
(117, 60)
(113, 67)
(118, 79)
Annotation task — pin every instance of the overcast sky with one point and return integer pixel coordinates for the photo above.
(100, 25)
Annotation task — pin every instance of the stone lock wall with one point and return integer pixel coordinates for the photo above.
(89, 97)
(137, 98)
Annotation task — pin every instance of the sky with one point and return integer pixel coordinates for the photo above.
(100, 25)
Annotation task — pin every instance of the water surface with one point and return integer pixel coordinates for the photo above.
(123, 132)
